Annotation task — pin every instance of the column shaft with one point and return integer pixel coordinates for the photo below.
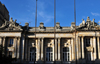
(79, 47)
(82, 47)
(70, 53)
(23, 40)
(55, 48)
(0, 41)
(98, 47)
(91, 42)
(72, 49)
(59, 49)
(94, 42)
(15, 43)
(4, 42)
(18, 48)
(4, 45)
(42, 49)
(26, 48)
(38, 49)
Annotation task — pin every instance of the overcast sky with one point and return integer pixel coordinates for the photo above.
(24, 11)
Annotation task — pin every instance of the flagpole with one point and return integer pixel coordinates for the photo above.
(35, 24)
(75, 31)
(54, 24)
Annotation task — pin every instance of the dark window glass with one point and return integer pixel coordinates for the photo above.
(11, 43)
(33, 54)
(88, 42)
(49, 54)
(66, 54)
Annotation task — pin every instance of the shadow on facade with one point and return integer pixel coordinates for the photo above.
(80, 61)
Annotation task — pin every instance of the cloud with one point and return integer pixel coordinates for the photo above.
(95, 14)
(99, 22)
(42, 13)
(45, 17)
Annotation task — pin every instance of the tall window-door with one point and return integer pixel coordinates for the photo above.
(88, 56)
(11, 42)
(33, 54)
(87, 42)
(66, 55)
(49, 54)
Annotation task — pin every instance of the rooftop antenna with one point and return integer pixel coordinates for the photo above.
(75, 31)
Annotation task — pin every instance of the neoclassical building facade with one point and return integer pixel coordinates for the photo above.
(40, 46)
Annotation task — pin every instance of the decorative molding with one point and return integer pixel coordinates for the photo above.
(10, 25)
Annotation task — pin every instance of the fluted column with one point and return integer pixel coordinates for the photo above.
(55, 48)
(82, 47)
(59, 49)
(98, 47)
(42, 48)
(94, 42)
(18, 48)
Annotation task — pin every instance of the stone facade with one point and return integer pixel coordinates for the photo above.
(20, 42)
(4, 14)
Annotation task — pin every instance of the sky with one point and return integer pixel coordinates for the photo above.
(24, 11)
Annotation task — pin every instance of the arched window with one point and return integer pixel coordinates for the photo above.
(66, 54)
(49, 54)
(33, 54)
